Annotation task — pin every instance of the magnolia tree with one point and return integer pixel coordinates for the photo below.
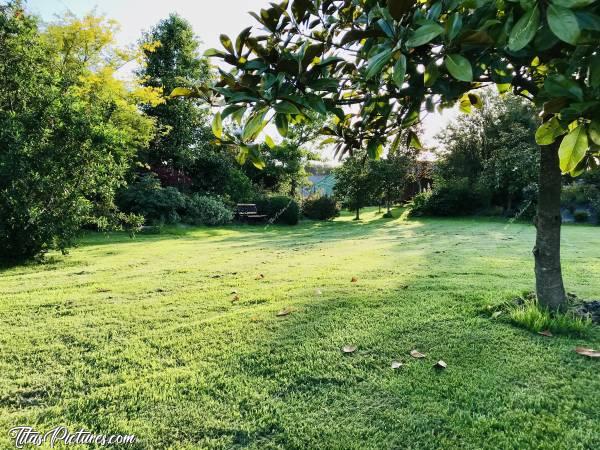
(379, 65)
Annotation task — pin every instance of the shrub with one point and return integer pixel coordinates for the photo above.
(420, 202)
(204, 210)
(149, 199)
(581, 216)
(572, 195)
(320, 208)
(280, 209)
(448, 198)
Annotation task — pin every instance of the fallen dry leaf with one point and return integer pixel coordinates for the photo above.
(416, 354)
(354, 280)
(496, 314)
(318, 292)
(348, 349)
(396, 365)
(441, 365)
(235, 298)
(546, 333)
(260, 277)
(284, 312)
(590, 353)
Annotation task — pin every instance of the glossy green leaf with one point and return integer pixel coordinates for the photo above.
(377, 62)
(454, 25)
(285, 107)
(181, 92)
(524, 30)
(459, 67)
(563, 23)
(316, 103)
(573, 149)
(432, 73)
(424, 34)
(400, 71)
(324, 84)
(242, 155)
(255, 158)
(270, 142)
(282, 124)
(254, 126)
(217, 126)
(549, 132)
(375, 149)
(413, 140)
(226, 42)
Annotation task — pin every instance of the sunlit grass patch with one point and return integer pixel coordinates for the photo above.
(532, 317)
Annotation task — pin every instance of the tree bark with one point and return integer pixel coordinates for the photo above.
(357, 214)
(548, 273)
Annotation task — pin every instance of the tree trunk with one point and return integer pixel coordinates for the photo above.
(357, 214)
(548, 274)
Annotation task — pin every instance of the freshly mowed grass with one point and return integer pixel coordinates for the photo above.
(142, 337)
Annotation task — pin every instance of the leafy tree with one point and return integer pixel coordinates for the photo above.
(171, 59)
(391, 176)
(354, 185)
(285, 163)
(481, 148)
(68, 130)
(375, 63)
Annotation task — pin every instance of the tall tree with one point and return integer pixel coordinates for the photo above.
(171, 59)
(68, 130)
(389, 58)
(494, 148)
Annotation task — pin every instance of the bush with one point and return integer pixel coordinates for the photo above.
(581, 216)
(320, 208)
(448, 198)
(204, 210)
(573, 195)
(280, 209)
(149, 199)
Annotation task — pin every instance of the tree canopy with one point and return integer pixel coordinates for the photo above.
(69, 130)
(378, 65)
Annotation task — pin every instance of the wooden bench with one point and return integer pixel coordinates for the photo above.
(248, 212)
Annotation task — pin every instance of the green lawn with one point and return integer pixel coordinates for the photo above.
(142, 337)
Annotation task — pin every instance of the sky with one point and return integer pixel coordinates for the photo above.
(209, 18)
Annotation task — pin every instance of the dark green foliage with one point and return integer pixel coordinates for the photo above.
(68, 133)
(159, 205)
(320, 208)
(279, 209)
(171, 59)
(581, 216)
(480, 169)
(152, 201)
(204, 210)
(448, 198)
